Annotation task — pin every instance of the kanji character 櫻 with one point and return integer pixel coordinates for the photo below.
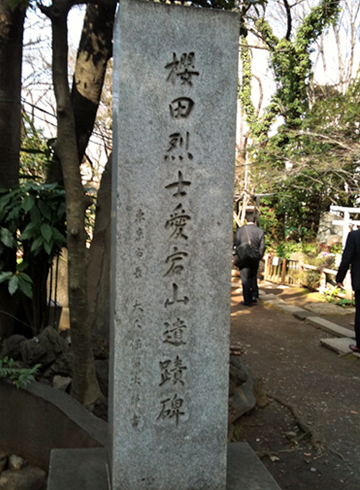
(184, 68)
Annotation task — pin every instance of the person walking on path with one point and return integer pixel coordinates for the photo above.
(248, 270)
(351, 257)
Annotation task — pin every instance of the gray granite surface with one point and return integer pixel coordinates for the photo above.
(175, 84)
(78, 469)
(86, 469)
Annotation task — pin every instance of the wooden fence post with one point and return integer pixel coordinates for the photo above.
(283, 275)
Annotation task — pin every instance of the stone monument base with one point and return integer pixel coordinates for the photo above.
(87, 469)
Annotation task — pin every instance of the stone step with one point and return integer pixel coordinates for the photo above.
(75, 469)
(330, 327)
(245, 471)
(340, 346)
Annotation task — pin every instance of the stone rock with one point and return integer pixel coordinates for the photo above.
(327, 228)
(62, 364)
(16, 462)
(232, 387)
(61, 382)
(45, 348)
(243, 400)
(238, 376)
(231, 430)
(259, 392)
(3, 461)
(235, 361)
(29, 478)
(333, 239)
(33, 352)
(11, 347)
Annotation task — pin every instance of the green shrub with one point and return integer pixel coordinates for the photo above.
(21, 376)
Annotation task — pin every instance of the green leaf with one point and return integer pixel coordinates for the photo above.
(15, 213)
(58, 237)
(35, 215)
(28, 203)
(4, 200)
(13, 284)
(7, 239)
(24, 277)
(44, 209)
(31, 231)
(25, 286)
(61, 210)
(5, 276)
(46, 232)
(48, 247)
(37, 245)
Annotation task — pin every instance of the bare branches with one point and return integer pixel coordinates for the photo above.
(289, 20)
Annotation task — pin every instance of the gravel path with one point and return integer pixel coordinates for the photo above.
(308, 435)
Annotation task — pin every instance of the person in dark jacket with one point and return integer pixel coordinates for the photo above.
(351, 258)
(248, 271)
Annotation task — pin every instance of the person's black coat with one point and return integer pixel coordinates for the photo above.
(256, 235)
(351, 257)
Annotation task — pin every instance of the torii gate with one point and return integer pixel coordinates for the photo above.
(347, 221)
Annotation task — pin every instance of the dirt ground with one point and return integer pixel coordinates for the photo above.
(308, 435)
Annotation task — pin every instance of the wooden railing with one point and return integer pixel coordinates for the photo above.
(291, 272)
(281, 271)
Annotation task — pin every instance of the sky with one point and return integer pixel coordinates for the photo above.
(38, 60)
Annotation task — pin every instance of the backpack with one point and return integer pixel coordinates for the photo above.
(245, 253)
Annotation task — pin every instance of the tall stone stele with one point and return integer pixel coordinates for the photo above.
(174, 102)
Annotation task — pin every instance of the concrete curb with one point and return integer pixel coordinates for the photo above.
(340, 346)
(344, 336)
(330, 327)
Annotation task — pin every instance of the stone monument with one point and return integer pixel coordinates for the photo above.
(175, 88)
(174, 103)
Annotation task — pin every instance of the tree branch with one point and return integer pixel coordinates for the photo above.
(289, 20)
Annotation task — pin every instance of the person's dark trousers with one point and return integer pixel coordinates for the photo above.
(247, 276)
(357, 318)
(254, 285)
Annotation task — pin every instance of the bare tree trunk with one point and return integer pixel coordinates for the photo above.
(85, 387)
(11, 44)
(353, 8)
(95, 49)
(340, 60)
